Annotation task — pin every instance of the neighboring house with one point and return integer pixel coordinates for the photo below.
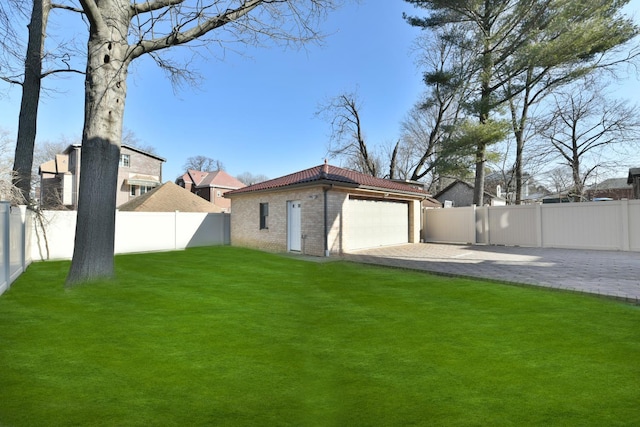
(210, 186)
(614, 189)
(325, 210)
(460, 193)
(504, 185)
(138, 173)
(169, 197)
(634, 180)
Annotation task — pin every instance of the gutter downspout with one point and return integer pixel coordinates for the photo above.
(324, 173)
(326, 222)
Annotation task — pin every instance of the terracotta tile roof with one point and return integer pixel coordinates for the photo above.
(169, 197)
(332, 175)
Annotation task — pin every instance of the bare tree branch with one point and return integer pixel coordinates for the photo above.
(177, 37)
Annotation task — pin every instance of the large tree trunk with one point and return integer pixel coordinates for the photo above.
(105, 92)
(478, 189)
(485, 104)
(27, 121)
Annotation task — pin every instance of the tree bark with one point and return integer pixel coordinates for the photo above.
(105, 93)
(485, 103)
(109, 56)
(27, 121)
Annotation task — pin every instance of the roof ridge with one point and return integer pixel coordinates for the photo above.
(333, 174)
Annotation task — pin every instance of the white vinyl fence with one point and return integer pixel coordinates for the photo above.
(612, 225)
(15, 226)
(49, 236)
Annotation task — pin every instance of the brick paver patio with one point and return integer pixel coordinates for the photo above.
(610, 273)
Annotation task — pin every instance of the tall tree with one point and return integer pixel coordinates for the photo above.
(347, 135)
(203, 163)
(427, 147)
(122, 31)
(502, 37)
(576, 39)
(247, 178)
(30, 81)
(23, 159)
(8, 191)
(584, 125)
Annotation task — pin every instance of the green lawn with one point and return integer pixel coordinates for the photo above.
(228, 336)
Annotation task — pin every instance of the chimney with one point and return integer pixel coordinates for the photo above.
(325, 168)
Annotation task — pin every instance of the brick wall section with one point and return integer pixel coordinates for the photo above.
(245, 220)
(336, 201)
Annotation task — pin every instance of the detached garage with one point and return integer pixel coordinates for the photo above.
(325, 210)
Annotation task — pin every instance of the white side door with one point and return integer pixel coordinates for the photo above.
(294, 225)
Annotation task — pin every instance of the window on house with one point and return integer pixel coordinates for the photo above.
(145, 189)
(133, 190)
(125, 161)
(264, 215)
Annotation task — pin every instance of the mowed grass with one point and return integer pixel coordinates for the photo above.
(229, 336)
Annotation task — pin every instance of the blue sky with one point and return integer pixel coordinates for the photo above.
(256, 112)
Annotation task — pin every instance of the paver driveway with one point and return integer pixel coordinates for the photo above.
(601, 272)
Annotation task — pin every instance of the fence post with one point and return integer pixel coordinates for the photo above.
(625, 244)
(539, 225)
(23, 237)
(175, 230)
(474, 228)
(6, 242)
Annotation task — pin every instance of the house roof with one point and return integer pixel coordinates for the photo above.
(632, 173)
(169, 197)
(60, 164)
(130, 147)
(466, 184)
(610, 184)
(219, 179)
(327, 174)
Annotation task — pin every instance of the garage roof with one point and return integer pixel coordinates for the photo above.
(327, 174)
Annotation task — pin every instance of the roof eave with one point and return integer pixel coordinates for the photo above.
(329, 182)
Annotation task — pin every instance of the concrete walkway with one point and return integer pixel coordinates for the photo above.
(610, 273)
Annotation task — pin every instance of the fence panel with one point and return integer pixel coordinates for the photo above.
(145, 232)
(17, 233)
(613, 225)
(13, 245)
(5, 260)
(513, 225)
(634, 225)
(589, 225)
(451, 225)
(197, 229)
(53, 234)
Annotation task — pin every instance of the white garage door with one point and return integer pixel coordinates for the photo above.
(377, 223)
